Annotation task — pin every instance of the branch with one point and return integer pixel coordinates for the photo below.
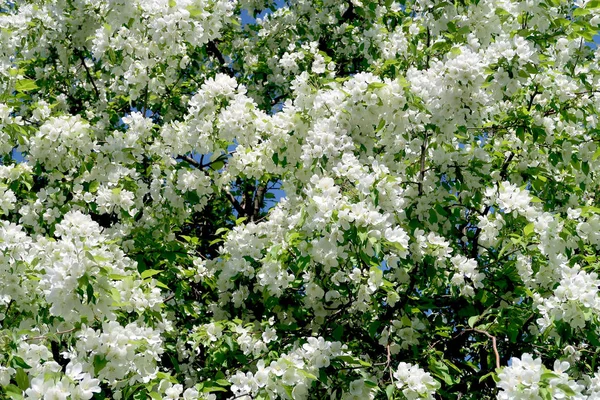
(87, 71)
(428, 46)
(493, 344)
(503, 172)
(234, 202)
(492, 337)
(42, 337)
(169, 298)
(242, 395)
(341, 309)
(586, 92)
(10, 303)
(422, 165)
(411, 287)
(389, 362)
(577, 58)
(348, 14)
(222, 157)
(201, 164)
(258, 200)
(145, 106)
(190, 161)
(30, 122)
(535, 93)
(212, 49)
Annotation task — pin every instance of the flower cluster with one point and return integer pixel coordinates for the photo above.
(292, 372)
(414, 382)
(210, 199)
(527, 378)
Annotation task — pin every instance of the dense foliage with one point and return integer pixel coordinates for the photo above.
(338, 199)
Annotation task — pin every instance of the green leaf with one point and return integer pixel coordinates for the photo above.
(488, 375)
(353, 360)
(19, 362)
(155, 396)
(375, 85)
(22, 379)
(473, 320)
(25, 85)
(529, 229)
(150, 272)
(585, 167)
(161, 285)
(13, 392)
(306, 374)
(565, 388)
(172, 3)
(140, 395)
(90, 256)
(376, 271)
(545, 393)
(94, 186)
(521, 133)
(338, 332)
(537, 132)
(217, 165)
(89, 291)
(99, 363)
(593, 5)
(440, 370)
(438, 46)
(194, 11)
(221, 230)
(548, 375)
(562, 22)
(373, 328)
(288, 391)
(389, 391)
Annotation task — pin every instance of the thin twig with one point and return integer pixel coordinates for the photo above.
(259, 197)
(201, 164)
(493, 344)
(45, 337)
(492, 337)
(242, 395)
(169, 298)
(236, 204)
(411, 286)
(503, 172)
(577, 58)
(89, 75)
(535, 93)
(145, 106)
(191, 161)
(422, 165)
(389, 362)
(10, 303)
